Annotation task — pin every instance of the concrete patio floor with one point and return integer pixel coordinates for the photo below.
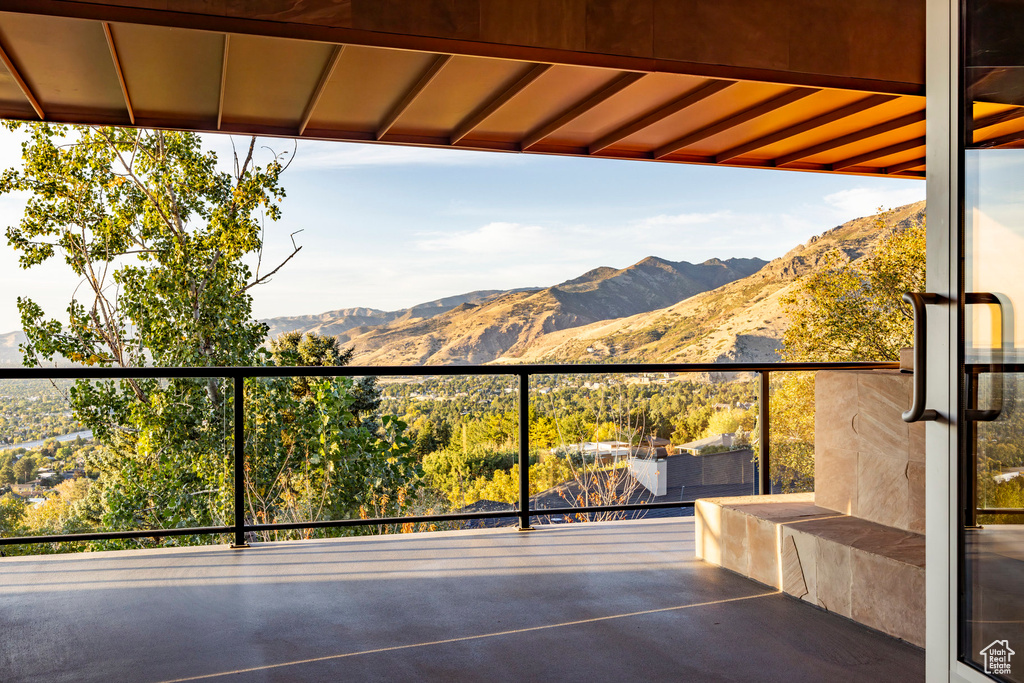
(615, 601)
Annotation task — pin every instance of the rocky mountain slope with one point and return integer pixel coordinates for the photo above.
(505, 325)
(739, 322)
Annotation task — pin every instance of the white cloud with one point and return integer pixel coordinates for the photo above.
(682, 219)
(497, 239)
(857, 202)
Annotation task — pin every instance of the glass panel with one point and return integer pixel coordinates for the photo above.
(641, 438)
(336, 448)
(791, 455)
(465, 433)
(114, 455)
(992, 539)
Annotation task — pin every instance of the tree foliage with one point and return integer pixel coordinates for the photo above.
(854, 311)
(158, 238)
(311, 451)
(846, 311)
(162, 241)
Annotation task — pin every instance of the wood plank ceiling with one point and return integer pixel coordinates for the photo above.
(84, 71)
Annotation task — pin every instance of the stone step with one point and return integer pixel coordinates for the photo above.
(865, 571)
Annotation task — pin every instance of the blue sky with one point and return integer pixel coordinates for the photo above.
(388, 227)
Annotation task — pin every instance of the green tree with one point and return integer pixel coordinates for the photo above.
(854, 311)
(728, 422)
(12, 510)
(7, 475)
(843, 312)
(158, 237)
(25, 469)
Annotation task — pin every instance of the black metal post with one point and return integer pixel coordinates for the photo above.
(969, 495)
(764, 486)
(239, 526)
(524, 452)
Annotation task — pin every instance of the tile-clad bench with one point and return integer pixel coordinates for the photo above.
(871, 573)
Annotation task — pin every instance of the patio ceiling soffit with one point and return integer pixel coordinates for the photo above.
(103, 73)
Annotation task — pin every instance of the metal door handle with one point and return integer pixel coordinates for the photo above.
(917, 410)
(1006, 325)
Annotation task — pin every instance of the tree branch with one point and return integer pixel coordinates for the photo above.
(266, 277)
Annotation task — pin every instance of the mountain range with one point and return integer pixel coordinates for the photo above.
(482, 327)
(653, 310)
(742, 321)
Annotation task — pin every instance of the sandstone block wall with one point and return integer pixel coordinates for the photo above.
(868, 462)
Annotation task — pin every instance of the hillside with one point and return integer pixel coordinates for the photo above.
(10, 354)
(504, 325)
(342, 321)
(742, 321)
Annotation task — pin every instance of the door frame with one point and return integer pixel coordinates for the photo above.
(943, 188)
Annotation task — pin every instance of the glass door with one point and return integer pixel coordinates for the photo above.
(990, 534)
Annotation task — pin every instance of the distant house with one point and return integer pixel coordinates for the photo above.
(29, 490)
(599, 450)
(1008, 474)
(715, 443)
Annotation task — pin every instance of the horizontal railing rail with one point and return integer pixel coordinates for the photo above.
(523, 511)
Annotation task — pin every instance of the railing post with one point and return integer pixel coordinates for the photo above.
(239, 384)
(524, 452)
(764, 486)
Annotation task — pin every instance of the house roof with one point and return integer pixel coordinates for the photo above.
(713, 440)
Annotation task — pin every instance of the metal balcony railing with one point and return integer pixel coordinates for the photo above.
(240, 527)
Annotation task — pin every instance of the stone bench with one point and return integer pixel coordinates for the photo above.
(865, 571)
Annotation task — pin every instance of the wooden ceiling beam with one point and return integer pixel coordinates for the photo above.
(410, 96)
(905, 166)
(25, 90)
(1014, 138)
(731, 122)
(674, 107)
(809, 125)
(120, 73)
(604, 93)
(878, 154)
(497, 102)
(995, 119)
(872, 131)
(223, 79)
(318, 91)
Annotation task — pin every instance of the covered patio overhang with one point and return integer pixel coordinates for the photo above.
(823, 87)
